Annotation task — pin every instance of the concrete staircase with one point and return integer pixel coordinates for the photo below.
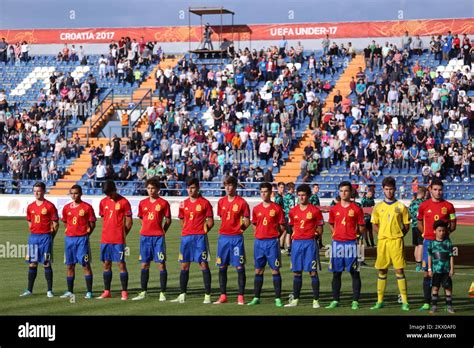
(77, 168)
(291, 169)
(80, 165)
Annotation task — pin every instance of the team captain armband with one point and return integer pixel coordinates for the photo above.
(452, 216)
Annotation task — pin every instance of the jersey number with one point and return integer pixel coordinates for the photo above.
(228, 215)
(74, 220)
(302, 224)
(265, 222)
(343, 221)
(37, 219)
(191, 215)
(151, 216)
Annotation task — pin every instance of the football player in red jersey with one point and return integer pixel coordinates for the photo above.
(234, 212)
(42, 218)
(346, 220)
(197, 220)
(268, 219)
(79, 218)
(117, 214)
(308, 223)
(431, 210)
(155, 214)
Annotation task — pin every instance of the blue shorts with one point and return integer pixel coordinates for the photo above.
(344, 256)
(304, 255)
(77, 250)
(426, 245)
(194, 248)
(230, 250)
(112, 252)
(152, 248)
(40, 248)
(267, 250)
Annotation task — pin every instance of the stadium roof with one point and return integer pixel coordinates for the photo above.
(200, 11)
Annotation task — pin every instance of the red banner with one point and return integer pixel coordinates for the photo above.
(259, 32)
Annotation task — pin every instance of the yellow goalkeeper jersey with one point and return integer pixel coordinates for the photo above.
(391, 218)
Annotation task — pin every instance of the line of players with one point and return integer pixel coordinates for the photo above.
(436, 219)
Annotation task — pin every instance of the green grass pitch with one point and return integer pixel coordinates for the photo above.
(14, 280)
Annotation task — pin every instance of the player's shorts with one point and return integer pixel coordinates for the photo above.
(194, 248)
(152, 248)
(40, 248)
(289, 229)
(230, 250)
(112, 252)
(77, 250)
(344, 256)
(267, 250)
(417, 237)
(304, 255)
(426, 245)
(442, 279)
(390, 252)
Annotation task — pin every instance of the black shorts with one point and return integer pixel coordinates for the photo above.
(442, 279)
(289, 229)
(417, 237)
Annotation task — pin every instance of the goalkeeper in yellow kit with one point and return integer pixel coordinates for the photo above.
(391, 220)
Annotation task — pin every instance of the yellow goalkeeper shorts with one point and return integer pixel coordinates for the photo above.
(390, 251)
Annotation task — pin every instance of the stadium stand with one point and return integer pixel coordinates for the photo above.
(259, 116)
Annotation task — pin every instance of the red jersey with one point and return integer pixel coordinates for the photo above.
(114, 213)
(266, 220)
(152, 214)
(345, 221)
(195, 215)
(41, 216)
(431, 211)
(232, 214)
(77, 219)
(304, 222)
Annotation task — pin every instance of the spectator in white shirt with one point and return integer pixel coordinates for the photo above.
(175, 150)
(264, 150)
(100, 171)
(147, 159)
